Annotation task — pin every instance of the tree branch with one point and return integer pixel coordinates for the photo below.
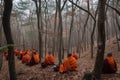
(63, 5)
(83, 9)
(118, 12)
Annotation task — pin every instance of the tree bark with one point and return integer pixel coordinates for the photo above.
(101, 39)
(60, 30)
(54, 38)
(116, 31)
(40, 28)
(1, 55)
(71, 28)
(38, 12)
(1, 60)
(92, 34)
(7, 31)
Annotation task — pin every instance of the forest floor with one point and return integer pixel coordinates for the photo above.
(85, 64)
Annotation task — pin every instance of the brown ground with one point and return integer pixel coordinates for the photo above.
(85, 64)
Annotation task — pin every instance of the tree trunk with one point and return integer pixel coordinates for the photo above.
(70, 33)
(117, 22)
(46, 26)
(116, 31)
(60, 30)
(54, 37)
(38, 12)
(40, 28)
(1, 60)
(84, 37)
(101, 39)
(92, 34)
(79, 46)
(1, 55)
(7, 31)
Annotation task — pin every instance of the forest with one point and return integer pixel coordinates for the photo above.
(30, 30)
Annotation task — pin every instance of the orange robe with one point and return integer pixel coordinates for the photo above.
(49, 59)
(21, 54)
(6, 55)
(16, 52)
(69, 64)
(109, 65)
(26, 58)
(36, 58)
(75, 55)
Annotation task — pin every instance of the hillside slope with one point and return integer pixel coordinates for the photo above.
(85, 64)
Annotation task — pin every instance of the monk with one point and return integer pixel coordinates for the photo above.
(6, 55)
(26, 57)
(16, 52)
(49, 60)
(35, 58)
(22, 53)
(75, 55)
(109, 65)
(69, 64)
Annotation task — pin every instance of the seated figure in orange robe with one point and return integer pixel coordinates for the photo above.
(109, 64)
(69, 64)
(35, 59)
(16, 52)
(49, 60)
(75, 55)
(20, 54)
(26, 57)
(6, 55)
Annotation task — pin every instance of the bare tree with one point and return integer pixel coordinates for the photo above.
(101, 39)
(39, 24)
(101, 42)
(7, 31)
(1, 55)
(71, 27)
(60, 30)
(55, 25)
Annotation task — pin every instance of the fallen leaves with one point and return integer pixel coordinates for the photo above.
(86, 64)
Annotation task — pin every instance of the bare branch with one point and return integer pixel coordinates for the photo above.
(118, 12)
(63, 5)
(83, 9)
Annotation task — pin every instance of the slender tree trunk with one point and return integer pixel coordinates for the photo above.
(71, 28)
(79, 44)
(46, 25)
(54, 37)
(107, 23)
(1, 57)
(79, 47)
(92, 34)
(107, 27)
(117, 38)
(38, 12)
(40, 28)
(116, 32)
(84, 30)
(117, 22)
(18, 29)
(7, 31)
(101, 39)
(60, 30)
